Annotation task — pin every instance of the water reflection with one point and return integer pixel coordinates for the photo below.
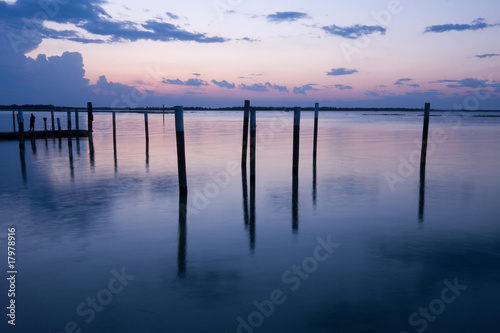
(22, 155)
(182, 244)
(314, 182)
(252, 215)
(421, 201)
(295, 202)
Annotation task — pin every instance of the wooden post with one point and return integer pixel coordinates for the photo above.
(245, 134)
(114, 127)
(69, 127)
(14, 120)
(146, 126)
(296, 140)
(77, 120)
(45, 123)
(315, 140)
(58, 124)
(253, 144)
(90, 117)
(52, 118)
(425, 134)
(114, 142)
(20, 119)
(181, 151)
(163, 114)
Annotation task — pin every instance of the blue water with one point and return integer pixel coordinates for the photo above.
(363, 244)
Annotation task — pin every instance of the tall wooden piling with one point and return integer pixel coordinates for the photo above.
(14, 120)
(69, 127)
(296, 140)
(181, 150)
(45, 123)
(114, 141)
(425, 135)
(52, 119)
(58, 124)
(315, 139)
(20, 119)
(77, 120)
(244, 148)
(146, 126)
(90, 117)
(253, 144)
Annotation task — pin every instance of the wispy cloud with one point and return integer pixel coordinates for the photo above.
(172, 16)
(253, 87)
(488, 55)
(414, 85)
(263, 87)
(248, 39)
(401, 81)
(303, 89)
(469, 83)
(355, 31)
(279, 17)
(342, 87)
(341, 71)
(224, 84)
(477, 24)
(190, 82)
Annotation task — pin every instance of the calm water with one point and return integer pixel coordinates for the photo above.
(356, 246)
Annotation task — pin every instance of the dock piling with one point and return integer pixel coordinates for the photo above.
(296, 140)
(14, 120)
(90, 117)
(69, 127)
(181, 150)
(45, 124)
(425, 135)
(20, 119)
(52, 118)
(245, 135)
(146, 126)
(315, 140)
(58, 124)
(77, 120)
(253, 144)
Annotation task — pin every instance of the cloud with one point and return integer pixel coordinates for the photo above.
(279, 17)
(414, 85)
(196, 74)
(263, 87)
(478, 24)
(190, 82)
(355, 31)
(224, 84)
(341, 71)
(488, 55)
(381, 86)
(253, 87)
(342, 87)
(248, 39)
(400, 81)
(469, 83)
(303, 89)
(172, 16)
(24, 25)
(277, 87)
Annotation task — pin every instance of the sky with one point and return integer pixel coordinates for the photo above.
(217, 53)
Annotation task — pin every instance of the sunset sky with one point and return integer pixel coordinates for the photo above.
(369, 53)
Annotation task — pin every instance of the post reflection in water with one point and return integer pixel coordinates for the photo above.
(421, 201)
(252, 215)
(71, 165)
(244, 187)
(181, 252)
(22, 155)
(33, 146)
(295, 202)
(91, 152)
(314, 183)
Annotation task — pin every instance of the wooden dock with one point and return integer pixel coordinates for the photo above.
(45, 134)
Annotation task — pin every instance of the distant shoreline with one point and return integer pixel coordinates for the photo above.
(30, 107)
